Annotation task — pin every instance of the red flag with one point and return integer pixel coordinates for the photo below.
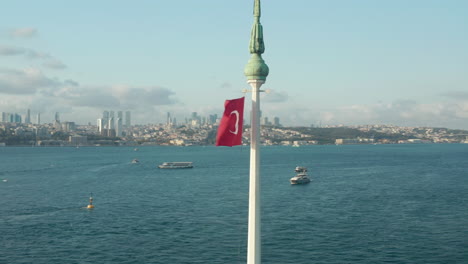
(230, 128)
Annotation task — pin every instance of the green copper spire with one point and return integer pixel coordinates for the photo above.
(256, 69)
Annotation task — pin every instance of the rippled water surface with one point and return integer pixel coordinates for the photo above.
(365, 204)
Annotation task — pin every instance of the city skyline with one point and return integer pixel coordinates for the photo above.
(401, 63)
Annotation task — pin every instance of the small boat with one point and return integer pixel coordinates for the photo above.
(135, 161)
(301, 176)
(300, 169)
(176, 165)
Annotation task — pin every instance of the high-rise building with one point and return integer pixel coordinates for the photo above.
(120, 115)
(111, 128)
(68, 126)
(38, 118)
(118, 130)
(128, 122)
(16, 118)
(276, 121)
(111, 123)
(169, 120)
(105, 119)
(100, 125)
(27, 119)
(57, 117)
(194, 116)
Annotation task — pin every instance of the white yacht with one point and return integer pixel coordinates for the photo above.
(176, 165)
(301, 177)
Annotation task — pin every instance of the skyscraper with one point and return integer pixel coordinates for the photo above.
(111, 123)
(118, 129)
(27, 119)
(111, 128)
(276, 121)
(57, 117)
(100, 125)
(105, 119)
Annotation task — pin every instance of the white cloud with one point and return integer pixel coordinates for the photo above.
(399, 112)
(11, 51)
(23, 32)
(275, 96)
(457, 95)
(49, 61)
(26, 81)
(54, 64)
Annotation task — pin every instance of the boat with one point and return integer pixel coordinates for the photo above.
(176, 165)
(301, 176)
(135, 161)
(300, 169)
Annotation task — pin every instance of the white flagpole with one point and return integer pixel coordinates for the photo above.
(254, 251)
(256, 72)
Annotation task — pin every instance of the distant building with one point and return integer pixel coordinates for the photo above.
(100, 125)
(343, 141)
(276, 121)
(119, 127)
(111, 123)
(78, 140)
(27, 119)
(105, 119)
(68, 126)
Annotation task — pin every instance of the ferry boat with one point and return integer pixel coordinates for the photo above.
(176, 165)
(301, 177)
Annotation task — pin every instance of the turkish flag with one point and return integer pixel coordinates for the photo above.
(230, 128)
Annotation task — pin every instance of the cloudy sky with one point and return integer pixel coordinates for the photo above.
(331, 62)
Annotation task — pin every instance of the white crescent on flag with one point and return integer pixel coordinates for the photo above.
(237, 122)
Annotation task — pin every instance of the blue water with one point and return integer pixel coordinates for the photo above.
(365, 204)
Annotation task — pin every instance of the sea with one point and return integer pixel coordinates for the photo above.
(404, 203)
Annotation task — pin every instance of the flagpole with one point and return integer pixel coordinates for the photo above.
(254, 233)
(256, 72)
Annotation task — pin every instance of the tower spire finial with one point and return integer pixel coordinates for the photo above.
(256, 69)
(257, 11)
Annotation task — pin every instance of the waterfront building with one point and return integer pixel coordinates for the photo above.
(78, 140)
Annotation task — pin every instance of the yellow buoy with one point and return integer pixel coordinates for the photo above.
(90, 205)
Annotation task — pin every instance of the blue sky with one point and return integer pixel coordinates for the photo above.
(331, 62)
